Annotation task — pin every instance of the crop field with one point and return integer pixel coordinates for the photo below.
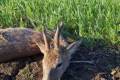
(91, 19)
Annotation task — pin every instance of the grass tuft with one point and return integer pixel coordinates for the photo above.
(98, 19)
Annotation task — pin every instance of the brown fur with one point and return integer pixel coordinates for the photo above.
(16, 42)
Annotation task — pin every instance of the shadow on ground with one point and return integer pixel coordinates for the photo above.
(106, 65)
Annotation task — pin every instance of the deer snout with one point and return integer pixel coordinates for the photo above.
(54, 74)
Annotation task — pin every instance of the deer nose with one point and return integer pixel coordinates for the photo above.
(53, 75)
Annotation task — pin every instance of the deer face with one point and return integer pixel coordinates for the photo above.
(56, 59)
(54, 64)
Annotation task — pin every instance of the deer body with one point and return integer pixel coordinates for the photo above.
(16, 43)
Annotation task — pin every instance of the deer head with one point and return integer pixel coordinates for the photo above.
(56, 57)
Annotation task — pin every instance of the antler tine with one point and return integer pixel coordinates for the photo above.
(57, 35)
(45, 38)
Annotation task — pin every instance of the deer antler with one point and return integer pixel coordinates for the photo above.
(57, 34)
(45, 38)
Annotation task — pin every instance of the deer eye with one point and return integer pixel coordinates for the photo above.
(59, 65)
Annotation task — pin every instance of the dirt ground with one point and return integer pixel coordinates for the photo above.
(105, 66)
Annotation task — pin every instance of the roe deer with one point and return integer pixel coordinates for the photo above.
(56, 56)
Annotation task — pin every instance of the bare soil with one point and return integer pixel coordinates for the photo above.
(105, 66)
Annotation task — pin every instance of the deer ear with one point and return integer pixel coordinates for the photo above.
(41, 47)
(73, 47)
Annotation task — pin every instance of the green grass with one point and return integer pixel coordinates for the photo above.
(97, 19)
